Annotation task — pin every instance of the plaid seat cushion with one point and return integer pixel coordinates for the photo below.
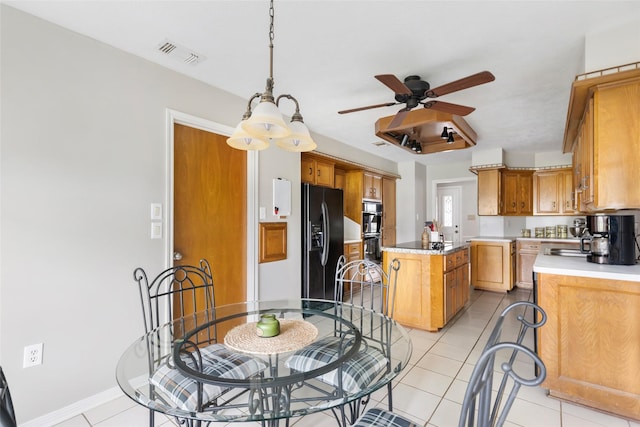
(357, 372)
(217, 361)
(376, 417)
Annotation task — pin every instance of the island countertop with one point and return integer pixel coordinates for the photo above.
(416, 248)
(579, 266)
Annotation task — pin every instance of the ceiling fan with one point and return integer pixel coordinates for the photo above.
(415, 91)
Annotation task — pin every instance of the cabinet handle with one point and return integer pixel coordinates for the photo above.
(318, 172)
(514, 205)
(522, 205)
(310, 171)
(553, 205)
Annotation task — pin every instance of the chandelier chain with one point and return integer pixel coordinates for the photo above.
(271, 35)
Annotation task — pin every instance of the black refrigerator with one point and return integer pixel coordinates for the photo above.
(323, 240)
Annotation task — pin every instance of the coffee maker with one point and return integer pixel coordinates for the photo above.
(611, 240)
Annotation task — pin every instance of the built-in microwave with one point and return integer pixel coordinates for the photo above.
(371, 218)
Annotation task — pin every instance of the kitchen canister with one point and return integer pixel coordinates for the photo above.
(550, 231)
(525, 232)
(539, 231)
(268, 326)
(561, 231)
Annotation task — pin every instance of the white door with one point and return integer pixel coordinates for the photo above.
(449, 213)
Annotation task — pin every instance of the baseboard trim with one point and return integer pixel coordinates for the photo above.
(76, 408)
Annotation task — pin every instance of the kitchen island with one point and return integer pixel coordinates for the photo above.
(591, 341)
(433, 285)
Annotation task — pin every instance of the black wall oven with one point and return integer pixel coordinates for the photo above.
(371, 227)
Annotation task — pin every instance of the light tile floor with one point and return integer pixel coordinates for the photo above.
(429, 390)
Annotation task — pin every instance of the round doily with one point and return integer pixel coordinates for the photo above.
(294, 334)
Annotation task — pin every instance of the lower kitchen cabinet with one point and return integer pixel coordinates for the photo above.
(591, 341)
(493, 265)
(431, 288)
(352, 252)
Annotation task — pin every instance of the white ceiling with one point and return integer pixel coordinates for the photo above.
(327, 52)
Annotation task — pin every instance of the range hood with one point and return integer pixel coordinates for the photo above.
(425, 127)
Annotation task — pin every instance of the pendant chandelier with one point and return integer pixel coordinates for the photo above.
(265, 122)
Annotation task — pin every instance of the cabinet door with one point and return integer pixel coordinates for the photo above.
(372, 188)
(307, 170)
(388, 212)
(340, 179)
(450, 295)
(510, 193)
(491, 265)
(567, 192)
(525, 193)
(324, 174)
(616, 145)
(546, 193)
(586, 185)
(489, 192)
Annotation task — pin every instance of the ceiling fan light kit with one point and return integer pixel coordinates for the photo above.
(266, 123)
(407, 126)
(425, 128)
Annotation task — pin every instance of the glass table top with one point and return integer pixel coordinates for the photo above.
(270, 390)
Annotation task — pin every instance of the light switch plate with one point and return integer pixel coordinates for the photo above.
(263, 212)
(156, 230)
(156, 211)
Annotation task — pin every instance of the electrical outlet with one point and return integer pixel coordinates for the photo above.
(32, 355)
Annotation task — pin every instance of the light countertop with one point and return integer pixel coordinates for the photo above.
(346, 242)
(492, 239)
(416, 248)
(579, 266)
(512, 238)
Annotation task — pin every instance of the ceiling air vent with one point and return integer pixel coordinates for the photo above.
(180, 53)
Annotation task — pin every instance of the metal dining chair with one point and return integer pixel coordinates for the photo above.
(365, 285)
(484, 404)
(7, 414)
(176, 295)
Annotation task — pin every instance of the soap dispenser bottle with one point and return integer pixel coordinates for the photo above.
(425, 236)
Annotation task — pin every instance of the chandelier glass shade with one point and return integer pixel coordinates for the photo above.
(265, 122)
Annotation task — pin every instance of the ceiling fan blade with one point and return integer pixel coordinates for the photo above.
(464, 83)
(399, 118)
(393, 83)
(368, 107)
(445, 107)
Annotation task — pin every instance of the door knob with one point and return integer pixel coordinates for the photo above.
(177, 256)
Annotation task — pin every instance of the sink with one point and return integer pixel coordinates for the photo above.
(564, 252)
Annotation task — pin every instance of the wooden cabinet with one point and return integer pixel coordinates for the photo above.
(316, 171)
(489, 191)
(493, 265)
(388, 212)
(428, 293)
(339, 179)
(372, 186)
(606, 148)
(526, 253)
(553, 192)
(591, 341)
(517, 197)
(456, 283)
(352, 252)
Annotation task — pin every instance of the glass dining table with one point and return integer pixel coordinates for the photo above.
(273, 389)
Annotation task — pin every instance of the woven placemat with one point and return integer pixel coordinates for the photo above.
(294, 334)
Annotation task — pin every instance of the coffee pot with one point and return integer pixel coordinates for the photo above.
(611, 239)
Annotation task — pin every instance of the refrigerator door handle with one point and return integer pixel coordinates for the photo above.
(324, 257)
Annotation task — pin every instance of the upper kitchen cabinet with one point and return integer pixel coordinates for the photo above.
(517, 198)
(603, 132)
(553, 192)
(489, 191)
(316, 171)
(372, 188)
(388, 212)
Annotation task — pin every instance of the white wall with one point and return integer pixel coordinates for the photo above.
(625, 36)
(83, 155)
(410, 201)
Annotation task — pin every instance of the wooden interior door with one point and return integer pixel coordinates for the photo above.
(210, 209)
